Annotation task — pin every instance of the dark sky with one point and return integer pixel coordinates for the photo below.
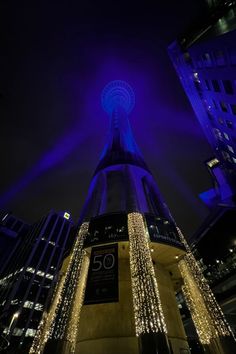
(57, 57)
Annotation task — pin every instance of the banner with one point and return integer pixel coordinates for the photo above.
(102, 283)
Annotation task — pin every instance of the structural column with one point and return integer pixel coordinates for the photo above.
(212, 328)
(150, 324)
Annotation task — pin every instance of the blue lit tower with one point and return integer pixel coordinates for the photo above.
(117, 289)
(122, 180)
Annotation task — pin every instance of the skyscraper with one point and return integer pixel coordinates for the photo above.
(205, 61)
(118, 291)
(29, 278)
(12, 231)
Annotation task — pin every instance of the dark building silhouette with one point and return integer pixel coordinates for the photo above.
(12, 232)
(28, 280)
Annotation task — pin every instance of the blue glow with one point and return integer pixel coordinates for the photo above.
(118, 94)
(61, 150)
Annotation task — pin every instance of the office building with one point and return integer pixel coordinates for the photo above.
(28, 280)
(12, 232)
(205, 61)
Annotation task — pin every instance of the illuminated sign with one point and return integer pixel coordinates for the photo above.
(102, 284)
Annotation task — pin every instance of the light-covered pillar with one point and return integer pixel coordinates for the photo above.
(149, 319)
(55, 332)
(209, 320)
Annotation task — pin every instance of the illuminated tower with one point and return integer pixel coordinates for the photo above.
(117, 290)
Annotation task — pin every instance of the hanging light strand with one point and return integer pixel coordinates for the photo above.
(148, 313)
(207, 315)
(72, 328)
(55, 322)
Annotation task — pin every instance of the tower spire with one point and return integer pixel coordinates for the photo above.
(118, 100)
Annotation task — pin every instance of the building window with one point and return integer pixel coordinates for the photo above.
(30, 332)
(214, 104)
(216, 85)
(229, 124)
(220, 120)
(223, 106)
(210, 116)
(207, 85)
(232, 55)
(226, 156)
(207, 59)
(226, 136)
(220, 58)
(234, 160)
(228, 86)
(230, 148)
(217, 134)
(233, 108)
(17, 332)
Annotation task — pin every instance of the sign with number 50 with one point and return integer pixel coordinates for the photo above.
(102, 284)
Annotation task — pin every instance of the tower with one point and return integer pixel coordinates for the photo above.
(116, 292)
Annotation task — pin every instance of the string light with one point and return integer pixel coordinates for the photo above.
(207, 315)
(148, 313)
(72, 328)
(55, 323)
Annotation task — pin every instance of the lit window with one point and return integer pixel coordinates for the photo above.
(230, 148)
(15, 302)
(217, 133)
(226, 136)
(233, 108)
(38, 307)
(216, 85)
(28, 304)
(40, 273)
(49, 276)
(17, 332)
(228, 86)
(234, 160)
(220, 57)
(30, 270)
(30, 332)
(223, 106)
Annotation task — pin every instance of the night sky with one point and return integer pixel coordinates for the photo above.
(57, 58)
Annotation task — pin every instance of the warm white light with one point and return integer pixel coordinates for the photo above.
(207, 315)
(66, 215)
(148, 313)
(56, 324)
